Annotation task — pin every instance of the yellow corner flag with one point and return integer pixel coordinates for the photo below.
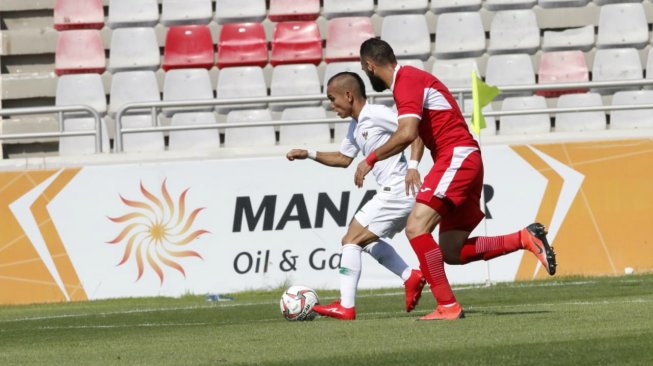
(482, 95)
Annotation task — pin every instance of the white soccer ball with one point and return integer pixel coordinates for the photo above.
(297, 303)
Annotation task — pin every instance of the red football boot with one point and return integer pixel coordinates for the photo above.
(445, 313)
(414, 285)
(533, 238)
(335, 310)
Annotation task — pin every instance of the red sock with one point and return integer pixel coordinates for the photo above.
(432, 266)
(488, 247)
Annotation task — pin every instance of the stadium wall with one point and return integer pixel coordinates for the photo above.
(226, 225)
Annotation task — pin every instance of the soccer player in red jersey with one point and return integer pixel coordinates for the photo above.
(451, 192)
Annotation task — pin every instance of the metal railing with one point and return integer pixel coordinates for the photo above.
(60, 111)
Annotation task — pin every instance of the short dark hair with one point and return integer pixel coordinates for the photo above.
(351, 75)
(378, 51)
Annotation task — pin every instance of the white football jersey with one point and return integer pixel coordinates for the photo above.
(376, 123)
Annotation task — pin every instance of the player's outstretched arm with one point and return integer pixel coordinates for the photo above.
(413, 179)
(331, 158)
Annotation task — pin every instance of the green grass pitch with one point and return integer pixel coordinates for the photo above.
(562, 321)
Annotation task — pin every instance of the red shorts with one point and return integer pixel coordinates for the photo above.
(453, 188)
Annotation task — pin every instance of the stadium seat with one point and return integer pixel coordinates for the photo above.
(527, 123)
(194, 140)
(562, 67)
(514, 31)
(79, 51)
(133, 13)
(345, 36)
(189, 46)
(249, 136)
(78, 14)
(239, 11)
(496, 5)
(416, 63)
(184, 12)
(290, 80)
(133, 86)
(134, 49)
(408, 35)
(242, 44)
(351, 66)
(389, 7)
(187, 84)
(347, 8)
(649, 67)
(81, 89)
(447, 6)
(604, 2)
(562, 3)
(455, 73)
(286, 10)
(241, 82)
(622, 25)
(616, 64)
(569, 39)
(517, 69)
(580, 121)
(296, 43)
(632, 119)
(82, 145)
(490, 122)
(304, 135)
(459, 35)
(141, 141)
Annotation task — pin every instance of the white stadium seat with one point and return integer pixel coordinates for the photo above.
(389, 7)
(527, 123)
(304, 134)
(562, 3)
(293, 80)
(197, 140)
(514, 31)
(569, 39)
(514, 69)
(81, 89)
(490, 122)
(187, 84)
(347, 8)
(580, 121)
(408, 35)
(133, 13)
(241, 82)
(632, 119)
(622, 25)
(249, 136)
(133, 86)
(237, 11)
(142, 141)
(416, 63)
(495, 5)
(134, 49)
(616, 64)
(184, 12)
(446, 6)
(82, 145)
(455, 73)
(459, 34)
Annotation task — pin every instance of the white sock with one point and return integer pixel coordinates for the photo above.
(350, 273)
(386, 255)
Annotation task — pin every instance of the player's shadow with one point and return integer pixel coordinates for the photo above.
(503, 313)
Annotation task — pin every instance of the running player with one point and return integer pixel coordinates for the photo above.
(450, 195)
(386, 213)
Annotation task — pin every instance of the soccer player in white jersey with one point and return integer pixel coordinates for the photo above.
(386, 213)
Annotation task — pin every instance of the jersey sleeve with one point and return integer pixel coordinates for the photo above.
(349, 147)
(409, 97)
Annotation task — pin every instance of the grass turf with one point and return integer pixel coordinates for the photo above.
(571, 321)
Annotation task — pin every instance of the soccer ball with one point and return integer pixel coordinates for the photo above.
(297, 303)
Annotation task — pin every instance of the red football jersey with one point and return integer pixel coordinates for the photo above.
(420, 94)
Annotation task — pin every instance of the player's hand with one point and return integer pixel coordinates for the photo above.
(299, 154)
(361, 172)
(413, 182)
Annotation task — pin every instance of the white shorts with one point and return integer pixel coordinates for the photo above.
(385, 215)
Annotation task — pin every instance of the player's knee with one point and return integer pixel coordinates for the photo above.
(414, 229)
(449, 257)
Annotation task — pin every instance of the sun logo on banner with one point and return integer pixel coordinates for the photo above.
(157, 232)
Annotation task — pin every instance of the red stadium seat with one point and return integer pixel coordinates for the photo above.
(344, 37)
(562, 67)
(242, 44)
(79, 51)
(285, 10)
(188, 47)
(78, 14)
(296, 43)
